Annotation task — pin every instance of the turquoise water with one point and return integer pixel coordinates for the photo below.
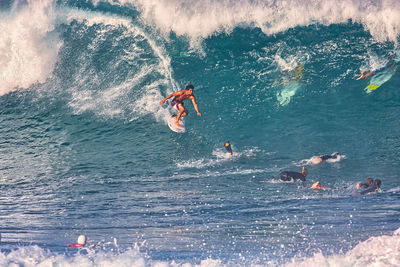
(85, 147)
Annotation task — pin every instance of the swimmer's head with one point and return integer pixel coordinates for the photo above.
(378, 183)
(369, 181)
(81, 240)
(189, 86)
(336, 154)
(304, 171)
(227, 145)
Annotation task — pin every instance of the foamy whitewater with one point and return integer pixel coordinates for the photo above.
(86, 149)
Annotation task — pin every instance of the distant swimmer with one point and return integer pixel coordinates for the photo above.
(368, 182)
(366, 74)
(177, 102)
(293, 176)
(374, 188)
(318, 185)
(228, 147)
(319, 159)
(80, 243)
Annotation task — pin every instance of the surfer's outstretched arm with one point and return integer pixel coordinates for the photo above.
(169, 96)
(365, 74)
(195, 106)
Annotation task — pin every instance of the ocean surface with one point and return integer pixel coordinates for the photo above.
(85, 147)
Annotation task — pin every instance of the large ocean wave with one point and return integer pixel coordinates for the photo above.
(29, 51)
(85, 147)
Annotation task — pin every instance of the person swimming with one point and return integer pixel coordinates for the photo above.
(319, 159)
(318, 185)
(293, 176)
(374, 188)
(368, 182)
(81, 242)
(228, 147)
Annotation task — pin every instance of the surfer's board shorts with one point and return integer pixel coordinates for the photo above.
(176, 103)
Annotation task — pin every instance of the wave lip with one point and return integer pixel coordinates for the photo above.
(201, 19)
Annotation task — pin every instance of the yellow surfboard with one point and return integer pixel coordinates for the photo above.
(372, 86)
(380, 78)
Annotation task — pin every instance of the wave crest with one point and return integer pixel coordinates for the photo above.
(201, 19)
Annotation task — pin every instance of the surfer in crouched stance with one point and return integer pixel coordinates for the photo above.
(293, 176)
(177, 102)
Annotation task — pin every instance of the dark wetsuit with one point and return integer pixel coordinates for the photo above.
(364, 185)
(325, 157)
(289, 176)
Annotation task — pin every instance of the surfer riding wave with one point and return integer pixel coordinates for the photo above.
(177, 102)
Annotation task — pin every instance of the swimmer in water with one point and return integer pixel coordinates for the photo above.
(368, 182)
(293, 176)
(318, 185)
(228, 147)
(374, 188)
(80, 243)
(319, 159)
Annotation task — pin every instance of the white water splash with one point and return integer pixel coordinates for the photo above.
(28, 45)
(201, 19)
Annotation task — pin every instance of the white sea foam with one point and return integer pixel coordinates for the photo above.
(220, 156)
(201, 19)
(376, 251)
(381, 250)
(28, 45)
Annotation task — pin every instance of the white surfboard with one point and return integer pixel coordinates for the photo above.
(173, 127)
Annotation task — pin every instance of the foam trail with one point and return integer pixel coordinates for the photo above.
(201, 19)
(28, 51)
